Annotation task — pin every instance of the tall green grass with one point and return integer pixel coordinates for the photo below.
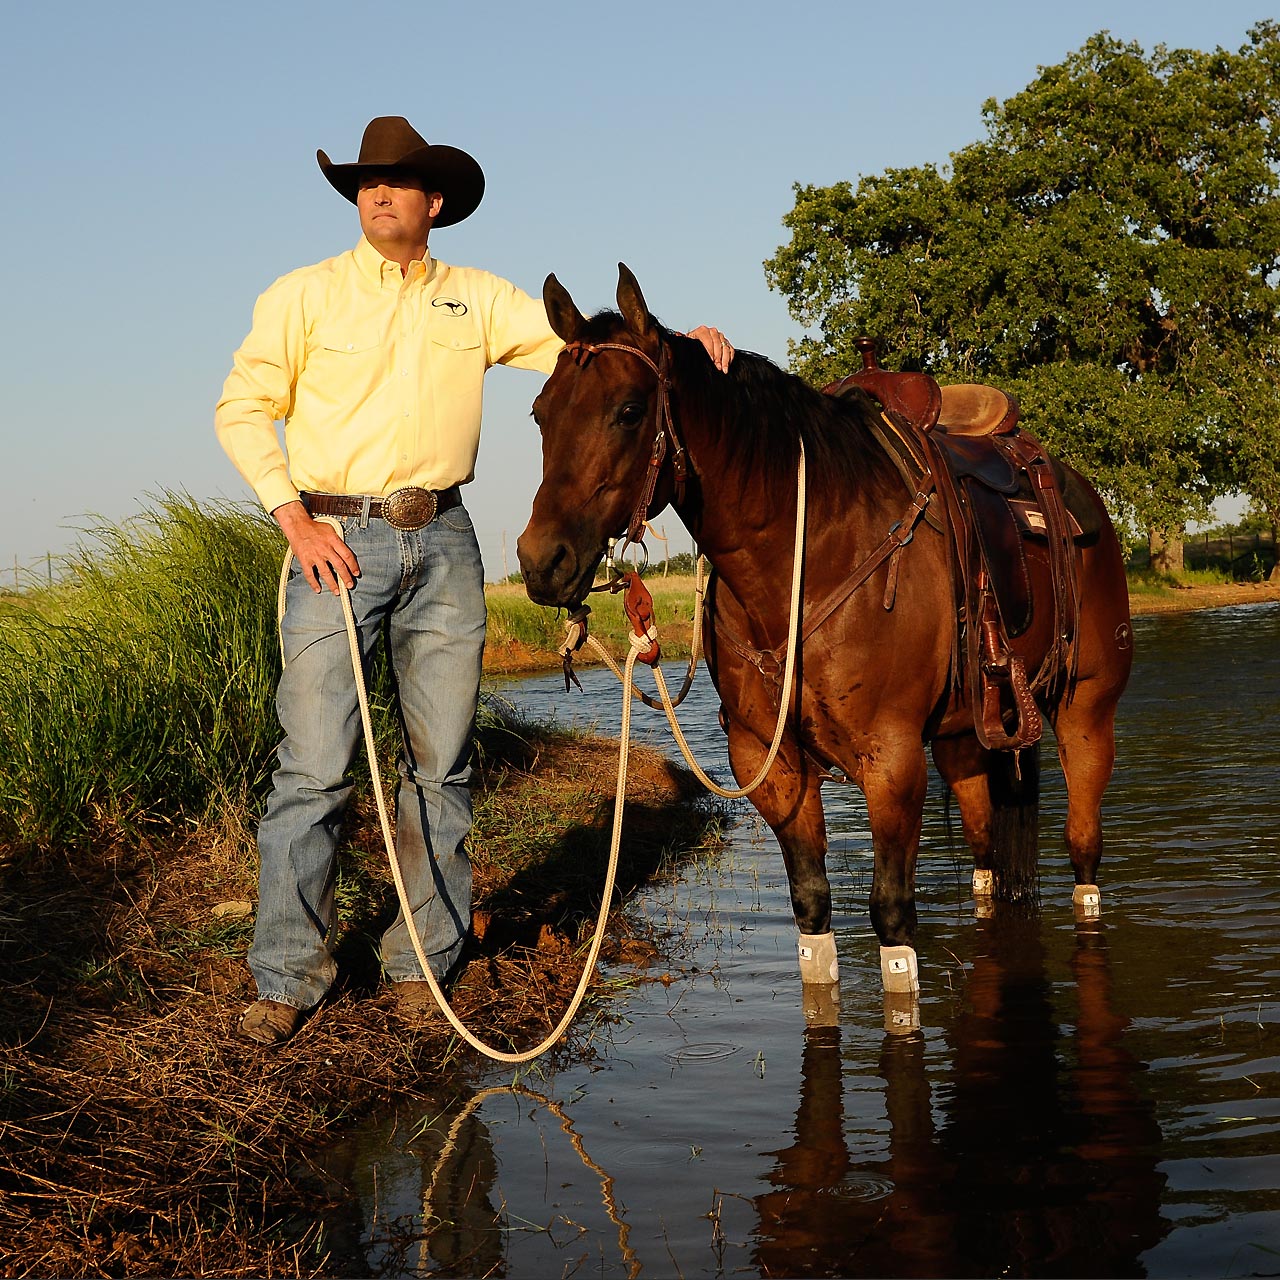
(139, 688)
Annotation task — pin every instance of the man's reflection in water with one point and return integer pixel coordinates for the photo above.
(1040, 1159)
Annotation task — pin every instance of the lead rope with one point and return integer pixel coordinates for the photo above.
(788, 678)
(357, 667)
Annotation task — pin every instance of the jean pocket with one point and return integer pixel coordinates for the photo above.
(456, 518)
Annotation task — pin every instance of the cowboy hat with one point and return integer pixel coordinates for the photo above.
(392, 145)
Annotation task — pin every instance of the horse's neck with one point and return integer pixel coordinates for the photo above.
(743, 523)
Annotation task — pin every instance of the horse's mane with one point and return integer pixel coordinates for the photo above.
(767, 411)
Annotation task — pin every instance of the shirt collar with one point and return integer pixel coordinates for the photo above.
(381, 271)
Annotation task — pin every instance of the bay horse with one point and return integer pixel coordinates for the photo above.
(634, 413)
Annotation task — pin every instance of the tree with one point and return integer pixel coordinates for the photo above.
(1110, 252)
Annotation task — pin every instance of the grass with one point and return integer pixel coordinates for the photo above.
(1147, 582)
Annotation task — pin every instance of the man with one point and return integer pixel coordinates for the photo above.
(375, 360)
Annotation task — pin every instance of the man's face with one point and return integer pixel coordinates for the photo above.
(396, 210)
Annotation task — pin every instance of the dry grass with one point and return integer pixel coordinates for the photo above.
(137, 1137)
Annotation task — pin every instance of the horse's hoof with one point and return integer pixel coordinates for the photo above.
(898, 969)
(818, 960)
(821, 1004)
(901, 1012)
(984, 884)
(1087, 901)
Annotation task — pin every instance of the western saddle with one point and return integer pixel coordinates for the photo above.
(1010, 535)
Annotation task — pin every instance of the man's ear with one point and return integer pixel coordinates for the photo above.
(566, 320)
(435, 202)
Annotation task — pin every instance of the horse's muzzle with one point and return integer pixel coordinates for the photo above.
(554, 572)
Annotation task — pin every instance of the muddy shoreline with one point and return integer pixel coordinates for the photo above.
(139, 1137)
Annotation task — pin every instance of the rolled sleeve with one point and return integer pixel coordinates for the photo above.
(520, 335)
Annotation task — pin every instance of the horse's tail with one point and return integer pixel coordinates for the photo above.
(1013, 780)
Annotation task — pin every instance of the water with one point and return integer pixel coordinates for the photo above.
(1096, 1098)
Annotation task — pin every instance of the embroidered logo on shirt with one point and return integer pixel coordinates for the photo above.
(456, 308)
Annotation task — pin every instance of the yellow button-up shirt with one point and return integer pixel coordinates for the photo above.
(376, 374)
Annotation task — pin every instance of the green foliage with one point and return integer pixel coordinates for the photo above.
(140, 687)
(1109, 253)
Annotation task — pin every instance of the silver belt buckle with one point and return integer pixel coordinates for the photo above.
(410, 508)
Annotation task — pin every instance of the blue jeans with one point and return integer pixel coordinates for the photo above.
(427, 589)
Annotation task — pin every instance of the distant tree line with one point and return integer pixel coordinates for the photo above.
(1109, 252)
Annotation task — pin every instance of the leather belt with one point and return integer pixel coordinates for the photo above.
(406, 509)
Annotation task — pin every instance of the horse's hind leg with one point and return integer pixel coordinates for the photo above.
(962, 764)
(1085, 729)
(790, 801)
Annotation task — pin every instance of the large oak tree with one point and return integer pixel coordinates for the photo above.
(1110, 252)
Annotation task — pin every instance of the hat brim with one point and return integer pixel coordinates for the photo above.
(448, 170)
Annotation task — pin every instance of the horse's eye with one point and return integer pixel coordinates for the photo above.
(630, 414)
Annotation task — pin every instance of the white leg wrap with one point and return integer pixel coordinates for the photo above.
(983, 883)
(1087, 900)
(898, 969)
(818, 960)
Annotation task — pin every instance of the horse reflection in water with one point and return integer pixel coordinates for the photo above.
(1037, 1157)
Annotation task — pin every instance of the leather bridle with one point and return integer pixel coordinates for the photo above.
(580, 353)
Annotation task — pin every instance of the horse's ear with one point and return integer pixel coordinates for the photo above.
(632, 304)
(567, 321)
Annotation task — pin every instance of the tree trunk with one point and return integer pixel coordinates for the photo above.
(1274, 575)
(1166, 551)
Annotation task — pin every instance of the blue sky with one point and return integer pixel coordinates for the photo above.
(160, 172)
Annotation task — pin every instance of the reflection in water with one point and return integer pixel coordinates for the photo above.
(1042, 1159)
(454, 1227)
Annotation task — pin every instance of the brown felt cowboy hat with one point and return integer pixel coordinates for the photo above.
(392, 145)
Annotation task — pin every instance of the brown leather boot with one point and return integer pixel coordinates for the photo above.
(269, 1023)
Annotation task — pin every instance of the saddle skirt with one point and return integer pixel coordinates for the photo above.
(1011, 518)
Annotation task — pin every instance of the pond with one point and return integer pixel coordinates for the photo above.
(1082, 1098)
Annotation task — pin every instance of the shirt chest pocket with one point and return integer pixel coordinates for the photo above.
(464, 341)
(339, 341)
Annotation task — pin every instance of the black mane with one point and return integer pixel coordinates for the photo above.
(768, 411)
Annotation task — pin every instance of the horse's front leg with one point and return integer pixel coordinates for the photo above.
(790, 801)
(894, 782)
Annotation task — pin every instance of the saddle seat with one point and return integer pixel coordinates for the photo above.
(1009, 534)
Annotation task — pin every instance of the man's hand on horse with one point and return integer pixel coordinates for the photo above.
(325, 559)
(719, 348)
